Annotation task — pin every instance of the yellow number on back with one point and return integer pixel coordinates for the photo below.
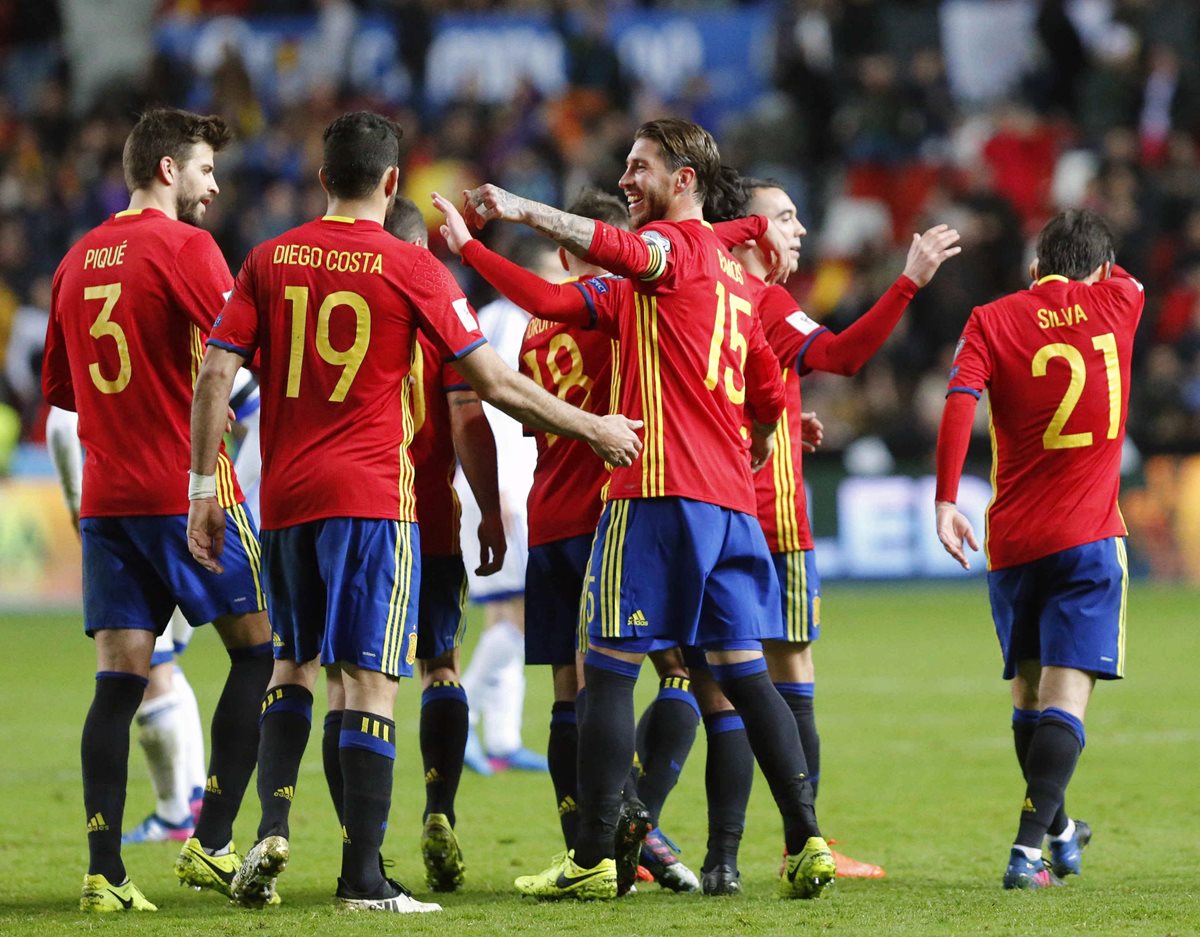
(560, 383)
(1053, 437)
(737, 343)
(350, 358)
(104, 327)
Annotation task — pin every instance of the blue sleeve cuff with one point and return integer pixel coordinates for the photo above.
(804, 348)
(462, 352)
(965, 390)
(587, 298)
(244, 352)
(454, 387)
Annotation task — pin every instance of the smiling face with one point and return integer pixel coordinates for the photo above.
(780, 210)
(647, 182)
(196, 184)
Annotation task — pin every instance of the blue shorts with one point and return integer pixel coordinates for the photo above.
(442, 621)
(800, 593)
(1064, 610)
(554, 577)
(345, 589)
(671, 571)
(137, 569)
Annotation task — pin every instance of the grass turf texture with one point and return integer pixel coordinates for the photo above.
(918, 774)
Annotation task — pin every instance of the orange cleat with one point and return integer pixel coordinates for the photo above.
(852, 868)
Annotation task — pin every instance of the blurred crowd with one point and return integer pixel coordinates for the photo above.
(874, 120)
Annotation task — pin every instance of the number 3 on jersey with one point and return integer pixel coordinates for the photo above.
(737, 344)
(349, 358)
(1106, 344)
(104, 327)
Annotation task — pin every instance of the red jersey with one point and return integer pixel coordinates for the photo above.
(1054, 360)
(684, 348)
(576, 365)
(132, 303)
(432, 449)
(779, 485)
(333, 306)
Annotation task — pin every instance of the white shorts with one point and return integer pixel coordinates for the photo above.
(174, 639)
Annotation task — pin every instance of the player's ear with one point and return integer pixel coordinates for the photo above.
(324, 179)
(1033, 269)
(167, 170)
(391, 180)
(684, 177)
(562, 259)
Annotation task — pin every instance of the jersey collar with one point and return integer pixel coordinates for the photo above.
(138, 213)
(1052, 276)
(347, 220)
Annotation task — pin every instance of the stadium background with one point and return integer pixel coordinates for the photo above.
(879, 117)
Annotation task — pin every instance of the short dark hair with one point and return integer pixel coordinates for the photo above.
(405, 220)
(600, 206)
(1074, 243)
(684, 143)
(727, 197)
(359, 148)
(167, 131)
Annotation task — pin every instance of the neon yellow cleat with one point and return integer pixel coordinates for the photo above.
(99, 896)
(564, 879)
(253, 884)
(444, 865)
(808, 874)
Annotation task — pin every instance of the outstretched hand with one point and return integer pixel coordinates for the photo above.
(954, 530)
(455, 231)
(491, 203)
(928, 251)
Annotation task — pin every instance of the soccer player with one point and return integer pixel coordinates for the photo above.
(332, 307)
(495, 675)
(1054, 360)
(168, 719)
(683, 516)
(133, 300)
(801, 346)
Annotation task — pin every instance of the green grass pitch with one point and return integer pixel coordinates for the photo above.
(918, 774)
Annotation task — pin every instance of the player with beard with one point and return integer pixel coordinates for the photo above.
(132, 303)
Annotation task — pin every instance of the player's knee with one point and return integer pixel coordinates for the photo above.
(238, 631)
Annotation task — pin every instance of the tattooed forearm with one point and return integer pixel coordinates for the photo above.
(569, 231)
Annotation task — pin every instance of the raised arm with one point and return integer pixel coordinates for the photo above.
(846, 352)
(476, 449)
(559, 303)
(613, 437)
(210, 409)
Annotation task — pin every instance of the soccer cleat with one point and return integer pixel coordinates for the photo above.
(154, 829)
(564, 879)
(721, 880)
(810, 872)
(659, 856)
(474, 758)
(633, 824)
(1023, 872)
(523, 759)
(1066, 855)
(253, 884)
(392, 897)
(853, 868)
(444, 865)
(100, 897)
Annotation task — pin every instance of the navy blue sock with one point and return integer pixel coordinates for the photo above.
(1024, 722)
(444, 728)
(104, 754)
(331, 759)
(1053, 753)
(800, 698)
(283, 734)
(775, 741)
(665, 741)
(728, 777)
(606, 749)
(562, 753)
(368, 754)
(234, 742)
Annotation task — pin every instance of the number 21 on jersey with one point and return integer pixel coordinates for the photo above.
(1106, 344)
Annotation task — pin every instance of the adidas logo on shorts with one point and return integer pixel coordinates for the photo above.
(637, 619)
